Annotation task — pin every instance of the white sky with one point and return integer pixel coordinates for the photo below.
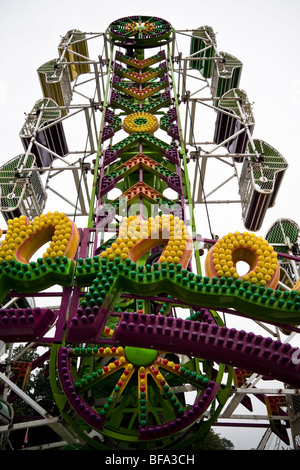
(263, 34)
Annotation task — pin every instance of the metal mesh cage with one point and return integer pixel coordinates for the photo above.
(259, 183)
(6, 418)
(236, 101)
(21, 190)
(44, 133)
(283, 235)
(234, 122)
(55, 82)
(226, 75)
(293, 402)
(73, 47)
(267, 175)
(203, 44)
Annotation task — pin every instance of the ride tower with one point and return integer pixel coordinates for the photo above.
(105, 278)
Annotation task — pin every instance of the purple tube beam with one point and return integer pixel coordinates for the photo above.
(212, 342)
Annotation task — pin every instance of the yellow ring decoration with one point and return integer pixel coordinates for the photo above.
(23, 237)
(140, 122)
(222, 258)
(137, 236)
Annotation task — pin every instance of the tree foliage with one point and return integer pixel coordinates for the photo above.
(214, 441)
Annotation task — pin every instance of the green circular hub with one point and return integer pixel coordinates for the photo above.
(140, 28)
(140, 31)
(140, 356)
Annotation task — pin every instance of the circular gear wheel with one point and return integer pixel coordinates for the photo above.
(139, 32)
(137, 398)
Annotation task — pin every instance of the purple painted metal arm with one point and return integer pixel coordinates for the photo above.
(221, 344)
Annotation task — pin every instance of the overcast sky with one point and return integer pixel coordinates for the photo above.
(263, 34)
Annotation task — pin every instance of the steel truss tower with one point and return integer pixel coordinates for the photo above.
(103, 271)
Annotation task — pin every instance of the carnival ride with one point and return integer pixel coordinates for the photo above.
(105, 277)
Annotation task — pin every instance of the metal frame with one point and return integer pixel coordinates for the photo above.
(83, 112)
(196, 93)
(202, 154)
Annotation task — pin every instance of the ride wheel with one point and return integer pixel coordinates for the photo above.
(140, 31)
(117, 396)
(140, 357)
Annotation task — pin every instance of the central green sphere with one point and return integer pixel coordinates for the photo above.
(140, 356)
